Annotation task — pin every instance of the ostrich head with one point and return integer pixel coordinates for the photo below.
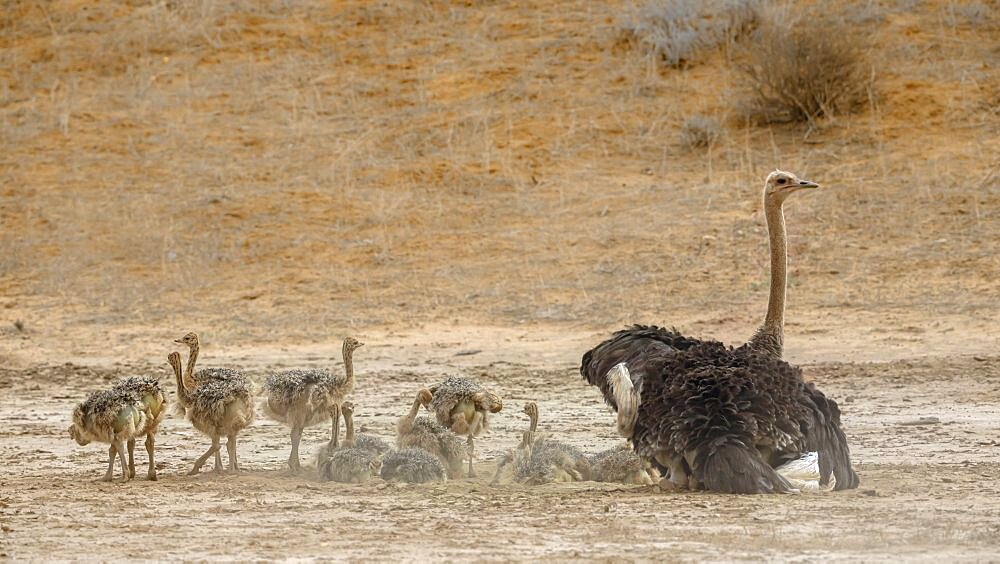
(347, 408)
(531, 409)
(488, 401)
(425, 396)
(191, 340)
(780, 184)
(351, 344)
(77, 436)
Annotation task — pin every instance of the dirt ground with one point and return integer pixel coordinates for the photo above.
(924, 433)
(484, 188)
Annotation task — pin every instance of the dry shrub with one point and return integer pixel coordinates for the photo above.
(700, 132)
(804, 68)
(673, 31)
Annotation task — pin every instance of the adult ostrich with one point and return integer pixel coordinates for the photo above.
(719, 417)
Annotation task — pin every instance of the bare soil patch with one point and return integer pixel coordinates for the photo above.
(924, 435)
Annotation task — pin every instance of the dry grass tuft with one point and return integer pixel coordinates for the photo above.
(700, 132)
(674, 31)
(800, 69)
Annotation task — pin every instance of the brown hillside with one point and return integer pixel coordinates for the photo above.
(291, 170)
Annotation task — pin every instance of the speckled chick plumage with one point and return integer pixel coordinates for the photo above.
(412, 465)
(306, 397)
(540, 460)
(350, 465)
(550, 462)
(218, 408)
(622, 465)
(372, 443)
(427, 434)
(355, 462)
(148, 390)
(108, 416)
(456, 400)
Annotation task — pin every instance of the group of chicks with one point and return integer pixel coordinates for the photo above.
(220, 402)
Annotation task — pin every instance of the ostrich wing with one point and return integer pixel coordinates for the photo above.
(640, 348)
(825, 436)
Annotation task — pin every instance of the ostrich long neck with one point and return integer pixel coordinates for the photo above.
(349, 421)
(189, 382)
(770, 337)
(413, 410)
(349, 365)
(182, 393)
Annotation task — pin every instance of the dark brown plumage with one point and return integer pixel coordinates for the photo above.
(718, 417)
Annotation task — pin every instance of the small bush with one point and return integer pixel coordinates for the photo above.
(700, 132)
(801, 69)
(673, 31)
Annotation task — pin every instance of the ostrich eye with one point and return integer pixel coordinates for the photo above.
(781, 181)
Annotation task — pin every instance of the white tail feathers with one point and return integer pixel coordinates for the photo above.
(803, 472)
(626, 397)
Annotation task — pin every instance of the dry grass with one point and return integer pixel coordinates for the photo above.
(271, 168)
(674, 32)
(700, 132)
(808, 66)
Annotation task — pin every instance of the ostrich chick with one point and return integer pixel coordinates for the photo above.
(540, 460)
(302, 398)
(464, 407)
(413, 465)
(350, 464)
(621, 464)
(427, 434)
(154, 404)
(217, 408)
(109, 416)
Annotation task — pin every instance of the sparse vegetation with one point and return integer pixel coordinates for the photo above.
(700, 132)
(799, 69)
(673, 31)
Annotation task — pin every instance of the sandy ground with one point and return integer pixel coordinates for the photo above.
(930, 487)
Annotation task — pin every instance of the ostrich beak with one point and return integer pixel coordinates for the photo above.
(178, 341)
(807, 184)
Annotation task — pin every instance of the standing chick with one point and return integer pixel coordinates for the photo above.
(302, 398)
(154, 404)
(109, 416)
(219, 407)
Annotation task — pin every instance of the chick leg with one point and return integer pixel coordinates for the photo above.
(218, 457)
(111, 464)
(293, 458)
(234, 463)
(120, 447)
(214, 449)
(131, 458)
(150, 449)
